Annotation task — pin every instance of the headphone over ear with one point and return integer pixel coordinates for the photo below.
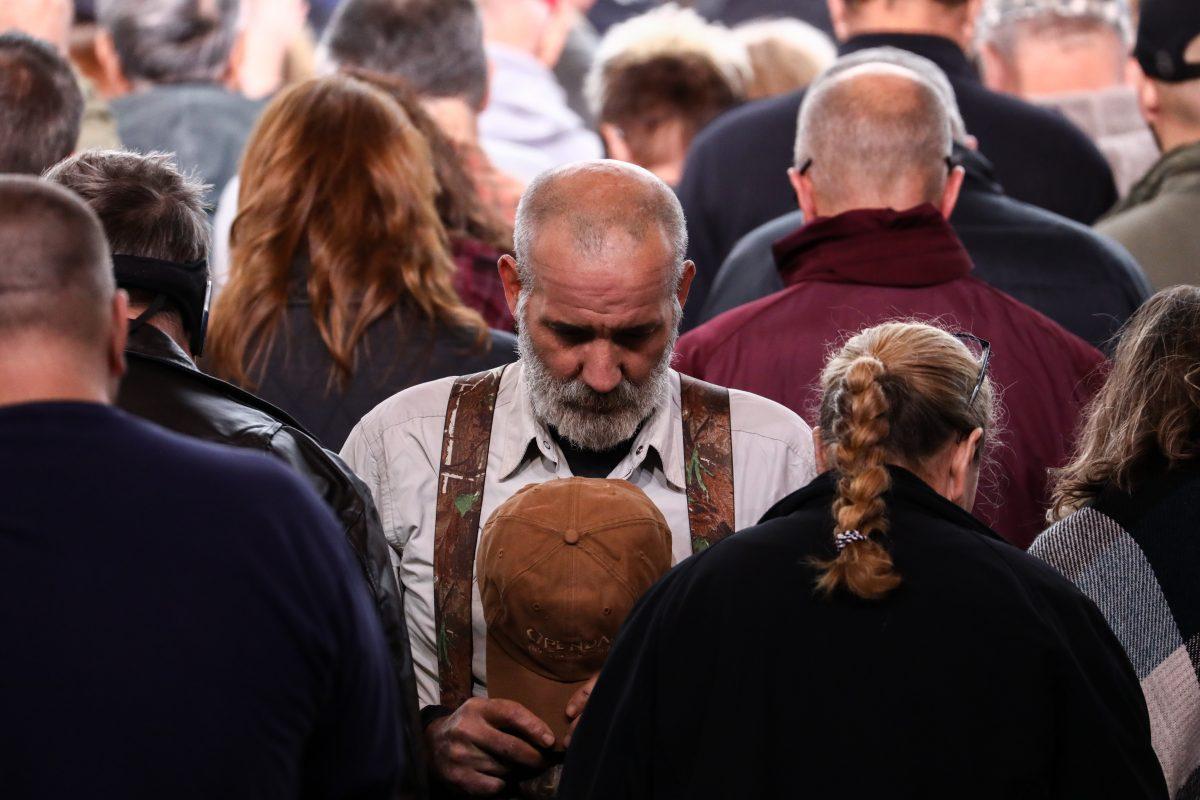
(187, 286)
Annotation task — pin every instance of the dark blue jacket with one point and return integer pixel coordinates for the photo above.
(736, 174)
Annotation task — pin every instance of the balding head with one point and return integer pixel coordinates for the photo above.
(598, 202)
(597, 287)
(57, 293)
(873, 136)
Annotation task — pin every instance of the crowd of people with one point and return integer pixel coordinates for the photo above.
(602, 398)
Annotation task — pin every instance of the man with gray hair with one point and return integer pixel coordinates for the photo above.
(875, 180)
(1083, 281)
(1072, 56)
(597, 286)
(177, 59)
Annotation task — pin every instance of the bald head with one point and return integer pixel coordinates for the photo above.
(56, 278)
(599, 202)
(874, 136)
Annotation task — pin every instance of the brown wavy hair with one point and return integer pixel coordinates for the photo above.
(462, 213)
(894, 394)
(1145, 420)
(336, 172)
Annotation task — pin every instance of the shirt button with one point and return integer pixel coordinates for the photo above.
(640, 449)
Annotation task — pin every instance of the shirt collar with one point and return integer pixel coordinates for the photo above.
(662, 433)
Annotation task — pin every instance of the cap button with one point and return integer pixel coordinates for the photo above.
(571, 536)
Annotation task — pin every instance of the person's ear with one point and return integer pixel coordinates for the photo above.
(959, 477)
(954, 182)
(998, 74)
(118, 335)
(837, 13)
(614, 143)
(237, 60)
(819, 451)
(805, 195)
(1149, 99)
(1133, 71)
(685, 282)
(510, 277)
(115, 81)
(970, 14)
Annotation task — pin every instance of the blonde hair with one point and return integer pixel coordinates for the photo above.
(895, 393)
(785, 55)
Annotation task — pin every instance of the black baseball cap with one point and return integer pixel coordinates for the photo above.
(1167, 31)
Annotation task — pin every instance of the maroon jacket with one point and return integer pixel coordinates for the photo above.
(855, 270)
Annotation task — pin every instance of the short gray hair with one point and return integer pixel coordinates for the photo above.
(1002, 22)
(649, 200)
(434, 45)
(921, 65)
(866, 140)
(148, 207)
(171, 41)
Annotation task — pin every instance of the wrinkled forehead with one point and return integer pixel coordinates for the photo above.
(622, 269)
(618, 249)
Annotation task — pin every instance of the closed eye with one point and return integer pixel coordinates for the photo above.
(571, 334)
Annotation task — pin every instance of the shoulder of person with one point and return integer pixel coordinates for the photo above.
(406, 408)
(1051, 595)
(1038, 331)
(751, 414)
(745, 122)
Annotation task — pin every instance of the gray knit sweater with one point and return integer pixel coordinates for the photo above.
(1138, 558)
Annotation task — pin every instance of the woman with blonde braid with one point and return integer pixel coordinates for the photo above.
(870, 638)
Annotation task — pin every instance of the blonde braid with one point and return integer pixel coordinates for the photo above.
(863, 566)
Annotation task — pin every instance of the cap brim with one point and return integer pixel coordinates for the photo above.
(545, 697)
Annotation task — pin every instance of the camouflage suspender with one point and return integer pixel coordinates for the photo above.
(461, 473)
(708, 461)
(466, 442)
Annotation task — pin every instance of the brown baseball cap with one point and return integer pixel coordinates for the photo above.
(560, 566)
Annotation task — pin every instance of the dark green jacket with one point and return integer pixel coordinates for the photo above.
(1157, 220)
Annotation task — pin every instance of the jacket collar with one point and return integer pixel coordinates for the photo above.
(1182, 163)
(660, 436)
(906, 488)
(879, 247)
(150, 342)
(980, 174)
(938, 49)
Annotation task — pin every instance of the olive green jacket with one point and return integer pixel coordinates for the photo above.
(1159, 221)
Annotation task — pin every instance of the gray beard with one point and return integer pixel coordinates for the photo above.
(584, 417)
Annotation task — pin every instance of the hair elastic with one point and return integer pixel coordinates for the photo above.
(847, 538)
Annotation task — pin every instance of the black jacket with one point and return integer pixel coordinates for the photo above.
(164, 386)
(392, 356)
(984, 675)
(1085, 282)
(736, 173)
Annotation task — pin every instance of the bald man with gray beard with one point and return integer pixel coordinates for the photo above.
(597, 284)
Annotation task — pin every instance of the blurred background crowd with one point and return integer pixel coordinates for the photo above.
(319, 209)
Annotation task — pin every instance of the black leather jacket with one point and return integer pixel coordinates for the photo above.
(163, 385)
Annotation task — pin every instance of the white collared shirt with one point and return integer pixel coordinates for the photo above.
(396, 449)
